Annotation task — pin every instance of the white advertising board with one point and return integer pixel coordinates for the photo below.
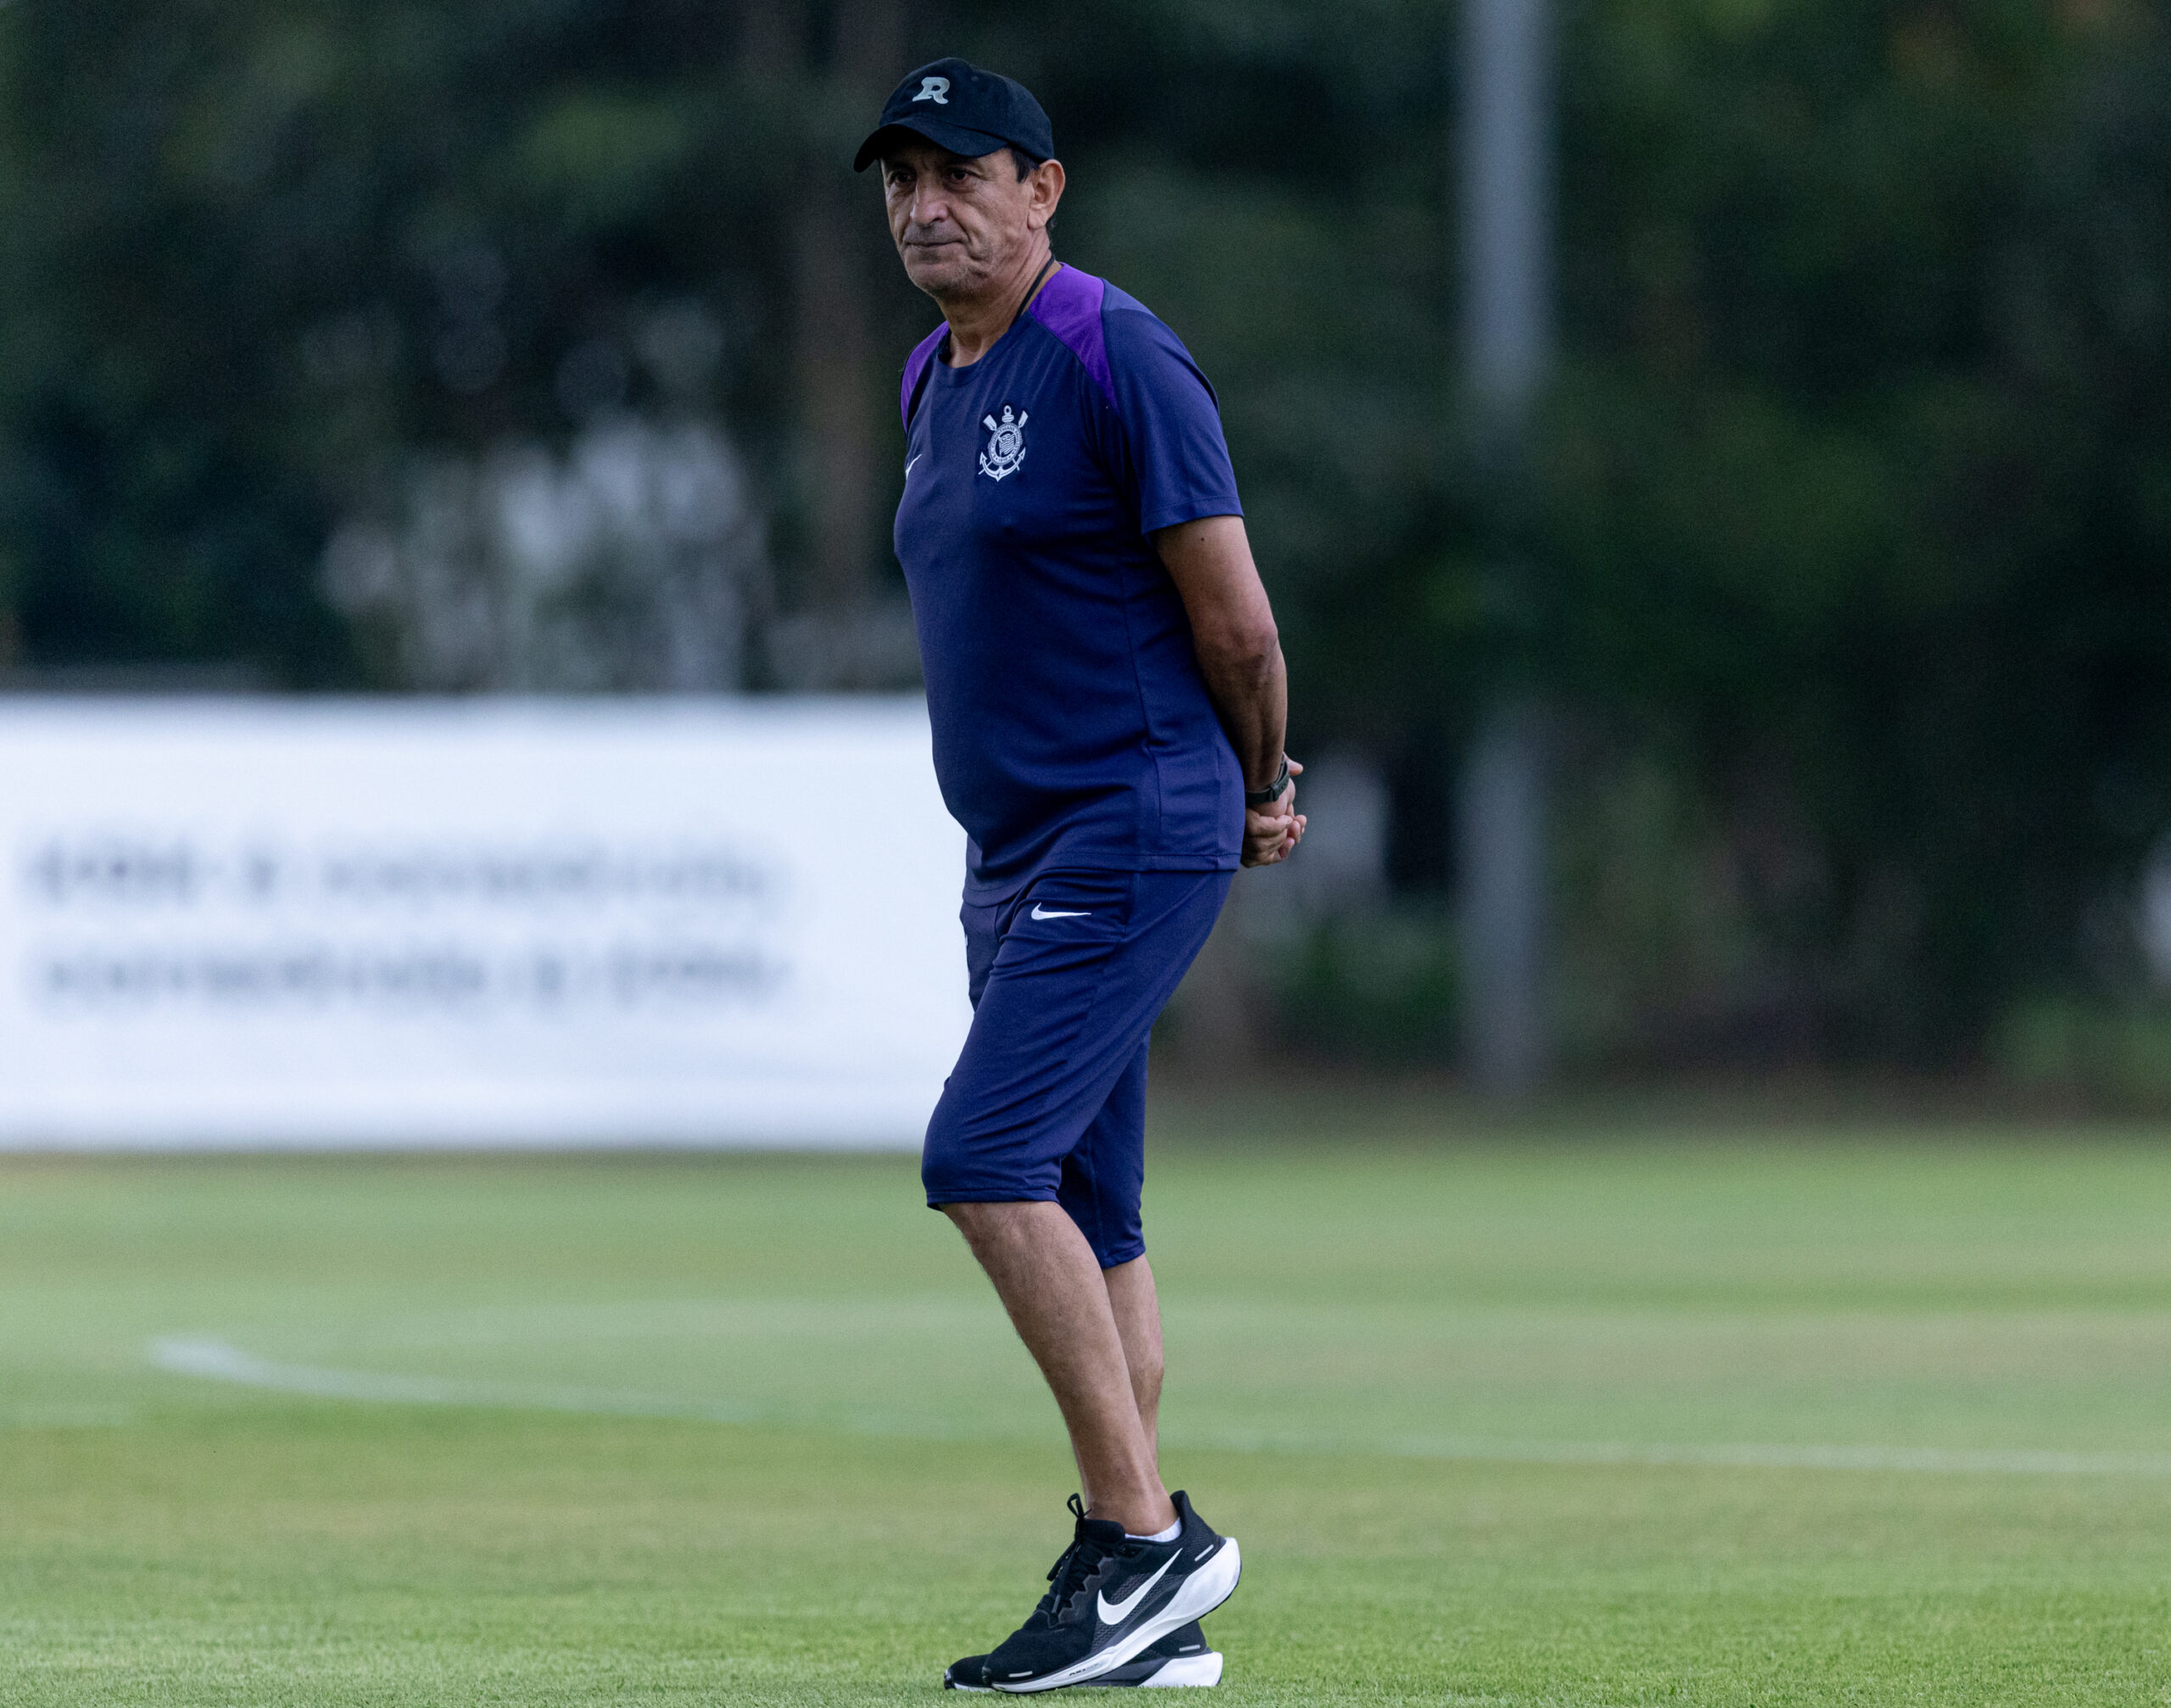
(267, 923)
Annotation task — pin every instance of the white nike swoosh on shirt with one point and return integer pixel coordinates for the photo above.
(1040, 913)
(1115, 1612)
(908, 466)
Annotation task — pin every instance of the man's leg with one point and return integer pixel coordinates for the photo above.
(1036, 1153)
(1103, 1181)
(1064, 999)
(1137, 1310)
(1064, 1308)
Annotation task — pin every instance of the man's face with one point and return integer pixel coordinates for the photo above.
(960, 222)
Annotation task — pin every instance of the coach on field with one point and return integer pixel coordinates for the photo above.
(1108, 697)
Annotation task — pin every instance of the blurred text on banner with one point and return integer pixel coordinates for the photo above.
(264, 923)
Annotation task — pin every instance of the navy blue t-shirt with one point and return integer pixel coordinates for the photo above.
(1072, 727)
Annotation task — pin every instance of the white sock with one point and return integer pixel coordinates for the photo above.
(1169, 1535)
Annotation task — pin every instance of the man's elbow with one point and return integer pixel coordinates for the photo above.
(1247, 650)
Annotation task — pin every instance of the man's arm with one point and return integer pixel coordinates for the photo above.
(1239, 655)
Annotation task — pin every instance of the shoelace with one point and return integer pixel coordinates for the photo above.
(1073, 1566)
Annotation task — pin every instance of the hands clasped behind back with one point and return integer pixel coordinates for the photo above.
(1272, 833)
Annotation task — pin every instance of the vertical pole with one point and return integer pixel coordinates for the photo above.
(1507, 223)
(1501, 829)
(1507, 209)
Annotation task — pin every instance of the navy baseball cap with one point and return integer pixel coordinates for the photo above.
(958, 106)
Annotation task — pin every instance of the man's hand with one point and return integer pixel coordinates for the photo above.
(1271, 833)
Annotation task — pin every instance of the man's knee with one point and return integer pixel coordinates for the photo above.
(986, 1226)
(973, 1220)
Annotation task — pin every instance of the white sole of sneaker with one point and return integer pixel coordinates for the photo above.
(1198, 1670)
(1204, 1591)
(1185, 1670)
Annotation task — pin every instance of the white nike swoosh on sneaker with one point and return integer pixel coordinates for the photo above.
(1115, 1612)
(1040, 913)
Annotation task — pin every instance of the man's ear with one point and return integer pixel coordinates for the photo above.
(1046, 188)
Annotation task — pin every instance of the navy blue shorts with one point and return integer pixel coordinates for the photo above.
(1047, 1101)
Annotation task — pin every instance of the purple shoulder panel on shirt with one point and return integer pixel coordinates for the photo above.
(1069, 306)
(916, 370)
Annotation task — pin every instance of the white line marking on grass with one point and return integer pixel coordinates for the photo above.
(2019, 1461)
(217, 1361)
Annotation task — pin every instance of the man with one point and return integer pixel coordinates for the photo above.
(1107, 698)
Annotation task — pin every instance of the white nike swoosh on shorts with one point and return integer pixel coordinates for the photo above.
(1040, 913)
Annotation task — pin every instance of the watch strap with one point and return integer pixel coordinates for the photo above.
(1272, 793)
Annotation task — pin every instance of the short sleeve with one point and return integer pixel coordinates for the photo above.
(1178, 460)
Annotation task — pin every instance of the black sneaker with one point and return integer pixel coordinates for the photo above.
(966, 1674)
(1181, 1657)
(1111, 1597)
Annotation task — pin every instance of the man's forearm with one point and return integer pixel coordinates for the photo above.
(1232, 628)
(1250, 692)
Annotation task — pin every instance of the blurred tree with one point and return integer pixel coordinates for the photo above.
(1849, 492)
(265, 250)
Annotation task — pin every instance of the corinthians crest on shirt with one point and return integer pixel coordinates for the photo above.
(1005, 445)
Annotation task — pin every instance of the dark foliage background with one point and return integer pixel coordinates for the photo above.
(1854, 499)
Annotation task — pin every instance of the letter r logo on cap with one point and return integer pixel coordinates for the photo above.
(934, 89)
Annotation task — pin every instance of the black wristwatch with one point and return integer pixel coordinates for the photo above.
(1272, 793)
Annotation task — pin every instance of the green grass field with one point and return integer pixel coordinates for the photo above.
(1548, 1419)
